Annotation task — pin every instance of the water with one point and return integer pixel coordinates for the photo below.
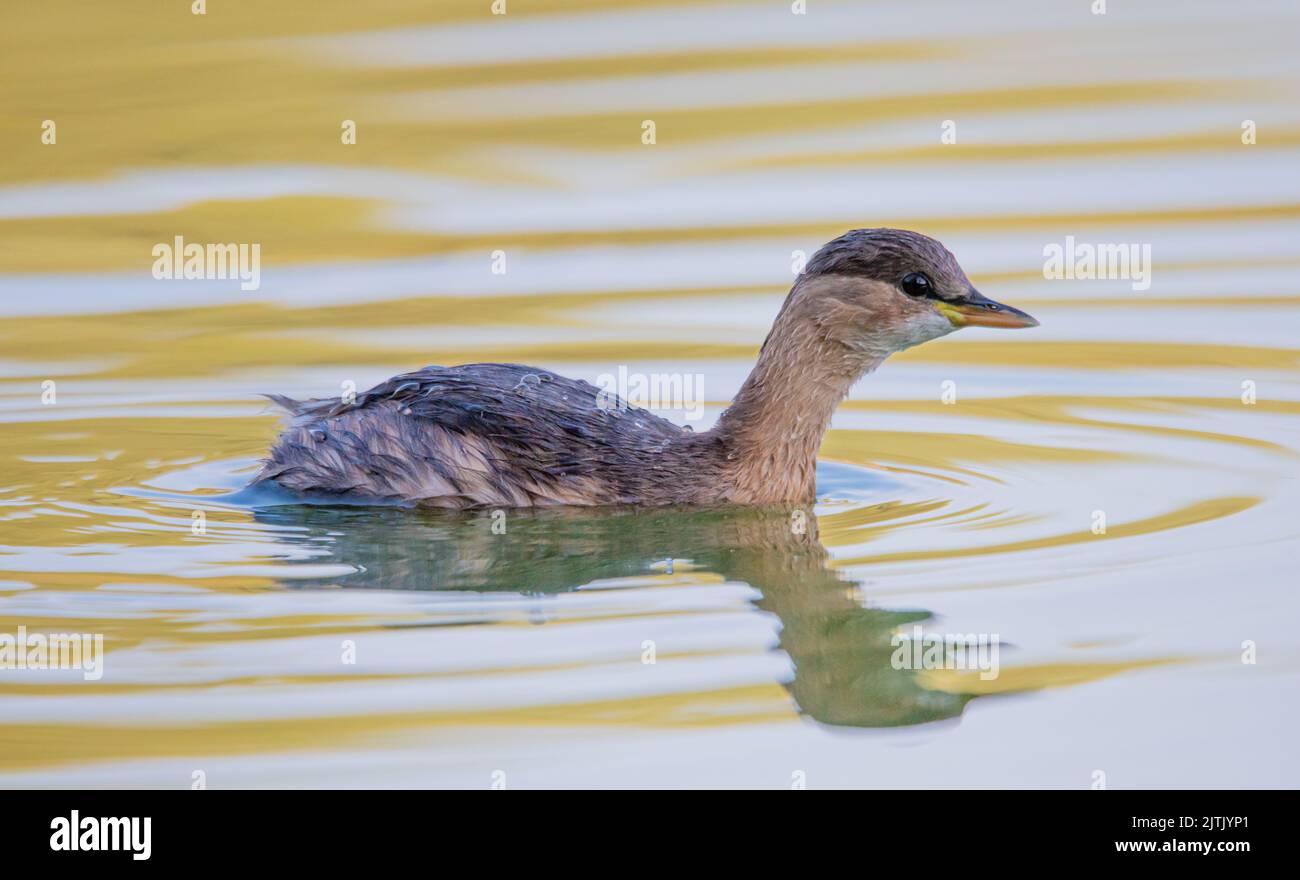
(525, 653)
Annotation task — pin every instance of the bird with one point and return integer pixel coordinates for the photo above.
(494, 435)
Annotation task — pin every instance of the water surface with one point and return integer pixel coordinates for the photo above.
(286, 644)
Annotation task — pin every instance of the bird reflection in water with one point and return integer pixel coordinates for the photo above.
(840, 649)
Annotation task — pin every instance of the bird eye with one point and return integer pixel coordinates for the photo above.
(917, 284)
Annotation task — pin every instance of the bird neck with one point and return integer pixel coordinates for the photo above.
(773, 429)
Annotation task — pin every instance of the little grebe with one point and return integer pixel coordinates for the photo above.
(504, 435)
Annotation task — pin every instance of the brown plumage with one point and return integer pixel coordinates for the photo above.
(504, 435)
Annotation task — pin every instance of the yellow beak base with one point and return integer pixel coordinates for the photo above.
(982, 312)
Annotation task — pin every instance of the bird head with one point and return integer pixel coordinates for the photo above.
(879, 291)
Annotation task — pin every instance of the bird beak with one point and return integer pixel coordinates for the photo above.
(977, 310)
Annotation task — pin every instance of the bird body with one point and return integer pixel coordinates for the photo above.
(483, 435)
(505, 435)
